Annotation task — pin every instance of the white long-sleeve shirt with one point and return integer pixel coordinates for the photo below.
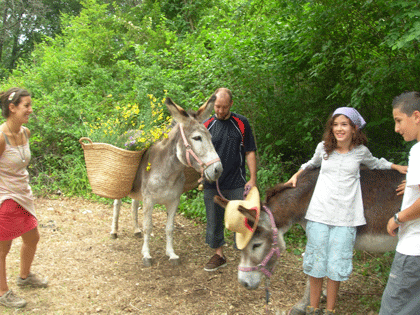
(337, 198)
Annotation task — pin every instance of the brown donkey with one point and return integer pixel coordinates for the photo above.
(288, 206)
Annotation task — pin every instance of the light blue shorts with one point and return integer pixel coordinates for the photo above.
(329, 251)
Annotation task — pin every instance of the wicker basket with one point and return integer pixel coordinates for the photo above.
(110, 170)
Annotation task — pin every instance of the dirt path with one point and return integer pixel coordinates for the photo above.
(91, 274)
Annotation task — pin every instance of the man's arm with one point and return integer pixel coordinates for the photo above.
(408, 214)
(251, 162)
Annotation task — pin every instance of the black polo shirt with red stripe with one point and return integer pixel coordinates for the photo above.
(232, 138)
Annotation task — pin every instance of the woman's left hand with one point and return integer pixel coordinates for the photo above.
(400, 168)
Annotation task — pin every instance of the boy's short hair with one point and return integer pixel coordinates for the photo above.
(407, 102)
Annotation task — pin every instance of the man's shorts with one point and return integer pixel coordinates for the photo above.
(329, 251)
(402, 292)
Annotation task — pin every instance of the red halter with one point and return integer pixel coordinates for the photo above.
(203, 166)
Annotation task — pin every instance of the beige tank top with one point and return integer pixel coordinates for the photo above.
(14, 177)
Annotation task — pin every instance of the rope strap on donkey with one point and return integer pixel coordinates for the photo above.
(246, 191)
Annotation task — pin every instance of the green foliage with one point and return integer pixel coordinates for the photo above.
(25, 23)
(289, 64)
(372, 268)
(192, 205)
(49, 179)
(271, 169)
(373, 265)
(295, 240)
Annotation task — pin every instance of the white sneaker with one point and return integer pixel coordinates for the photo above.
(33, 281)
(10, 300)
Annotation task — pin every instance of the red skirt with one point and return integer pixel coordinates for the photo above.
(15, 220)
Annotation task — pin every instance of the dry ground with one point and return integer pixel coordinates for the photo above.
(89, 273)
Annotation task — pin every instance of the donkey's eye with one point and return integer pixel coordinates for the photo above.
(255, 246)
(197, 138)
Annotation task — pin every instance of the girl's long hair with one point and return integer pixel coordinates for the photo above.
(330, 143)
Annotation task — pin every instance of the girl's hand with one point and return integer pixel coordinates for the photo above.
(401, 188)
(400, 168)
(392, 227)
(292, 181)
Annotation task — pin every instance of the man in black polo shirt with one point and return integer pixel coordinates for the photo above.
(234, 142)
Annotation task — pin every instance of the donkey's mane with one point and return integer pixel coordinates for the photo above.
(271, 192)
(188, 113)
(192, 113)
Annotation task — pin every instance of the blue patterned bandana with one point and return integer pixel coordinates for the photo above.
(351, 114)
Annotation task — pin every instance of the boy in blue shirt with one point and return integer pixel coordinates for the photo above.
(402, 292)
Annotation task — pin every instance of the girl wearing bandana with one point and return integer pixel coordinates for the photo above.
(336, 207)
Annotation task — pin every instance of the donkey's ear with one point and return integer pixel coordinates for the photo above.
(177, 112)
(250, 215)
(220, 201)
(206, 109)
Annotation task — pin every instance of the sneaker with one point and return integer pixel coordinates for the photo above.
(33, 281)
(215, 263)
(10, 300)
(313, 311)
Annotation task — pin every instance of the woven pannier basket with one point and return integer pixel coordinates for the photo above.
(110, 170)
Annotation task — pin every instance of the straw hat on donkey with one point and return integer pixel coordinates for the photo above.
(235, 221)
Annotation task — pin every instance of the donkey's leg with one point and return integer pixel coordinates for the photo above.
(300, 307)
(171, 210)
(135, 212)
(147, 231)
(116, 212)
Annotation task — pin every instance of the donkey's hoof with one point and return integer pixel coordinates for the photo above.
(137, 234)
(282, 312)
(295, 311)
(175, 261)
(113, 236)
(289, 312)
(147, 262)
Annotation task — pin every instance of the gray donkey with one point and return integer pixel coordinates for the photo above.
(188, 145)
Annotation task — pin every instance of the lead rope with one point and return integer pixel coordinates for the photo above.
(246, 191)
(275, 251)
(219, 192)
(267, 295)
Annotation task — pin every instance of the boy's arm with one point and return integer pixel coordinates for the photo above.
(408, 214)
